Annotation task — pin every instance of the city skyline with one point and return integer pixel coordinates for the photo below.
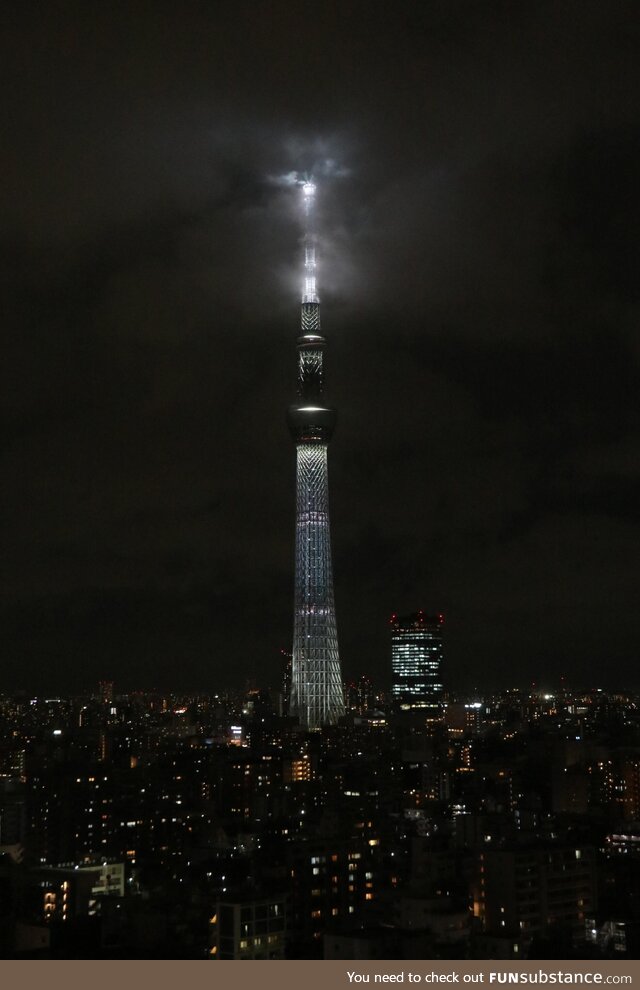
(143, 825)
(479, 257)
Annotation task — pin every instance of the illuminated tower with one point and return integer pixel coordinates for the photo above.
(416, 660)
(316, 681)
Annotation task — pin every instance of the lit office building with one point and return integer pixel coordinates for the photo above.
(416, 660)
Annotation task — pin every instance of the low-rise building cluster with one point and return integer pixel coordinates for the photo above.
(214, 826)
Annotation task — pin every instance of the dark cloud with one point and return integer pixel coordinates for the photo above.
(478, 215)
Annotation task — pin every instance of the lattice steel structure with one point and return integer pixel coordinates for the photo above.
(316, 680)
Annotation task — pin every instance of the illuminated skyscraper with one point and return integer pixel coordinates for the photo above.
(316, 680)
(416, 660)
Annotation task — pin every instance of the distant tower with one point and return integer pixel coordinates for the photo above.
(286, 680)
(106, 692)
(416, 660)
(316, 680)
(360, 695)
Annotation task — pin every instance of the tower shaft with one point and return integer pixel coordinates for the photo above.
(316, 680)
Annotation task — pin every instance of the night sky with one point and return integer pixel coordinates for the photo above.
(477, 167)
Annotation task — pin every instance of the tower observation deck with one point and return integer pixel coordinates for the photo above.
(316, 680)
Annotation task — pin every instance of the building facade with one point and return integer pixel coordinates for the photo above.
(248, 928)
(523, 891)
(416, 660)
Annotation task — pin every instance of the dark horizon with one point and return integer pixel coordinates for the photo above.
(476, 168)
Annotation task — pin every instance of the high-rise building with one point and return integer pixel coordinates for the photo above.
(106, 692)
(416, 660)
(286, 680)
(316, 681)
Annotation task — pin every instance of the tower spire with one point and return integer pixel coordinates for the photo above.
(316, 680)
(309, 293)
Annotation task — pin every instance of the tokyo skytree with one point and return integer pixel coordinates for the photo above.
(316, 681)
